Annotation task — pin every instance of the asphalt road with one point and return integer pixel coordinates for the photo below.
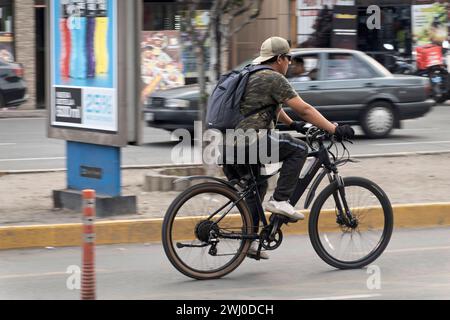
(416, 265)
(24, 145)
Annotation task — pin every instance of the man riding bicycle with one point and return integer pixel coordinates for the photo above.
(269, 87)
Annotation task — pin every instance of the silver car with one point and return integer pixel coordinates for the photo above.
(346, 86)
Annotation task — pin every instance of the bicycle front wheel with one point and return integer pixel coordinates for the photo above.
(346, 244)
(206, 231)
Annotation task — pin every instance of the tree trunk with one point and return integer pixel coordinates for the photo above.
(200, 53)
(225, 46)
(215, 37)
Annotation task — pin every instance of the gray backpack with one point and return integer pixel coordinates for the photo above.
(224, 103)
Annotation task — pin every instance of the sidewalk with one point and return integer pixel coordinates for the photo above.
(418, 188)
(26, 199)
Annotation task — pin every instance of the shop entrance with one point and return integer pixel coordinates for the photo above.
(397, 30)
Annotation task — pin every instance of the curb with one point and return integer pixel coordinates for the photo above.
(15, 114)
(149, 230)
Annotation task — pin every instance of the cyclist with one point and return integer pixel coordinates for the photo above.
(271, 88)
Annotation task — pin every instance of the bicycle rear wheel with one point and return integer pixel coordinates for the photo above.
(346, 245)
(202, 246)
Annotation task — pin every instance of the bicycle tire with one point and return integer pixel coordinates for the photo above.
(387, 228)
(168, 243)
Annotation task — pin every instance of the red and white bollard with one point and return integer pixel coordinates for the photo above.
(88, 271)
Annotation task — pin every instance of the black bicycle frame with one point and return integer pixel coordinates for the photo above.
(322, 160)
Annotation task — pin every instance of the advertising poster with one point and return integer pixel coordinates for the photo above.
(161, 64)
(6, 47)
(83, 60)
(429, 24)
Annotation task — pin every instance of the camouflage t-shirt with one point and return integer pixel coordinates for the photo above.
(265, 88)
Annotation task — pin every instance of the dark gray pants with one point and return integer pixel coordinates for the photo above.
(293, 153)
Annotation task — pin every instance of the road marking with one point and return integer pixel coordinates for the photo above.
(356, 296)
(409, 143)
(32, 159)
(43, 274)
(7, 144)
(423, 129)
(417, 249)
(32, 275)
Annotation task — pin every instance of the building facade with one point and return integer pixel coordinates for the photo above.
(22, 35)
(403, 23)
(320, 23)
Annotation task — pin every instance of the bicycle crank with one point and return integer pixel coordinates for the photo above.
(269, 242)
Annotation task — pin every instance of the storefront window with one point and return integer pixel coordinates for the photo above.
(6, 32)
(396, 30)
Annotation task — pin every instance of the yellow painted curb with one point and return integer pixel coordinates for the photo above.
(149, 230)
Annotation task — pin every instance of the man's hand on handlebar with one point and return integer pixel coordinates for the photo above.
(299, 126)
(341, 132)
(344, 132)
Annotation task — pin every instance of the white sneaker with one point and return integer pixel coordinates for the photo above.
(285, 209)
(253, 252)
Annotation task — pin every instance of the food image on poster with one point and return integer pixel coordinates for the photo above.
(161, 65)
(429, 24)
(6, 47)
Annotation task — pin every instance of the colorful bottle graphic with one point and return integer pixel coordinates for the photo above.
(101, 38)
(90, 41)
(65, 40)
(78, 31)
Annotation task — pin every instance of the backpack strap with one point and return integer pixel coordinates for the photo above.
(253, 69)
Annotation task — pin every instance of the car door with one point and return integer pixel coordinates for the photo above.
(347, 83)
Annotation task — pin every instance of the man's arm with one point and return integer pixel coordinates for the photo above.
(308, 113)
(283, 117)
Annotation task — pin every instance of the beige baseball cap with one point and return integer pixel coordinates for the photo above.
(272, 47)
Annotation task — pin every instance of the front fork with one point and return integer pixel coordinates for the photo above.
(344, 215)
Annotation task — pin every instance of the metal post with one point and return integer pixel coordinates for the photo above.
(88, 272)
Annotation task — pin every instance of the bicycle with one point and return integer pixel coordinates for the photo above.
(215, 229)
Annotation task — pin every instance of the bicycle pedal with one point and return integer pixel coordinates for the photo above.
(284, 219)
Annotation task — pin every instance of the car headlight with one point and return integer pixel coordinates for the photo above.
(177, 103)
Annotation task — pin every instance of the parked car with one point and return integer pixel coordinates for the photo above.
(13, 89)
(346, 86)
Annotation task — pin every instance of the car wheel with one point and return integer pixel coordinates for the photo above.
(2, 102)
(378, 120)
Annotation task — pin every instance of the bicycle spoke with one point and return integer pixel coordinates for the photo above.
(351, 243)
(211, 217)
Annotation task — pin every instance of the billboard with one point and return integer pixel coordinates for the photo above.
(84, 86)
(429, 24)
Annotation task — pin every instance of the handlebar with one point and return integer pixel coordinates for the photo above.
(314, 134)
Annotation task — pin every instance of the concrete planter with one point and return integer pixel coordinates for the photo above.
(162, 180)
